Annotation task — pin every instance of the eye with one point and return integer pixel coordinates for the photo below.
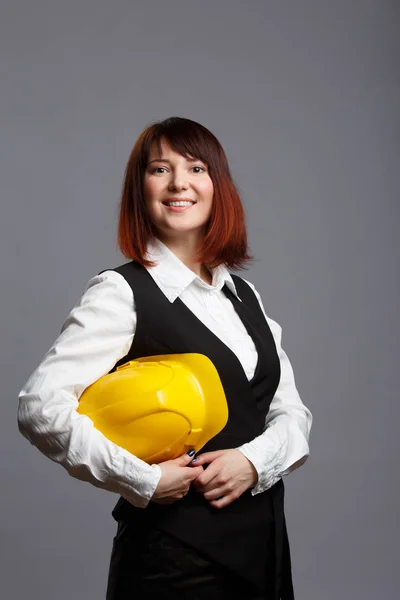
(160, 170)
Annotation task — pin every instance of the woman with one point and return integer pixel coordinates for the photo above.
(212, 527)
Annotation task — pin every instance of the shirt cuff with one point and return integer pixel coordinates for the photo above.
(267, 467)
(278, 451)
(145, 478)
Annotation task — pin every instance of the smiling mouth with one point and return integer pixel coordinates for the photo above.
(179, 203)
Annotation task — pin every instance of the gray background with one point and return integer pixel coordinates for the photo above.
(304, 97)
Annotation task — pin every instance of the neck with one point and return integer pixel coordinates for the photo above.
(185, 249)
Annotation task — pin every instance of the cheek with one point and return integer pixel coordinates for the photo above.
(207, 189)
(151, 191)
(150, 188)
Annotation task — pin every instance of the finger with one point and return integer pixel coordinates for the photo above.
(208, 457)
(185, 459)
(172, 498)
(194, 466)
(194, 472)
(206, 476)
(225, 500)
(220, 502)
(216, 492)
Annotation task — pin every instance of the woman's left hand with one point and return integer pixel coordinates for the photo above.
(228, 475)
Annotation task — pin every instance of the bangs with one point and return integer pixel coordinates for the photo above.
(188, 138)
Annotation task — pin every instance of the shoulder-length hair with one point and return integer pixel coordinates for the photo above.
(225, 240)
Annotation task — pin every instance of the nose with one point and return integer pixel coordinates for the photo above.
(178, 180)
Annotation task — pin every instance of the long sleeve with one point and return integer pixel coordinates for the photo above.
(283, 446)
(98, 332)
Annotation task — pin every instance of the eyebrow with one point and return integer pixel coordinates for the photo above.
(168, 161)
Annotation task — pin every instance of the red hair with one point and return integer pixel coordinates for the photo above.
(225, 240)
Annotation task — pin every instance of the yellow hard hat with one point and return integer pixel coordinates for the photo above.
(158, 407)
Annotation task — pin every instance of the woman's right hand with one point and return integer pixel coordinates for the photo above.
(175, 480)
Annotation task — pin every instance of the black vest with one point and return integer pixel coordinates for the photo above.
(249, 535)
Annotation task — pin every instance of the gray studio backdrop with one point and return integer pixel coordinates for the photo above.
(304, 97)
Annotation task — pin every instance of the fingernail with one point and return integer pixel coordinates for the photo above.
(194, 460)
(191, 452)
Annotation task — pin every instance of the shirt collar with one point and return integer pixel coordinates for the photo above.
(172, 276)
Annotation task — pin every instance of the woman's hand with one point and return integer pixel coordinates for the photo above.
(228, 475)
(176, 477)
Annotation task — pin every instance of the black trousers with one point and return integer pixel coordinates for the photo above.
(154, 564)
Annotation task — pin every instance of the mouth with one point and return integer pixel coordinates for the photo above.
(179, 202)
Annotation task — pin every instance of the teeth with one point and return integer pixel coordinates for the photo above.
(182, 203)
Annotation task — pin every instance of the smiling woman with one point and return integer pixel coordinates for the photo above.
(210, 527)
(179, 159)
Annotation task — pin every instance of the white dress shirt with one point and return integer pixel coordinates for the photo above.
(98, 332)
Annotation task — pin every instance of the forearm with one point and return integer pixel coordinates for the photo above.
(96, 334)
(284, 444)
(71, 440)
(280, 449)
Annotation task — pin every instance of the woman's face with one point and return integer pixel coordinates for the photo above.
(170, 178)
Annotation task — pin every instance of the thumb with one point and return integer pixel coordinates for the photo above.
(185, 459)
